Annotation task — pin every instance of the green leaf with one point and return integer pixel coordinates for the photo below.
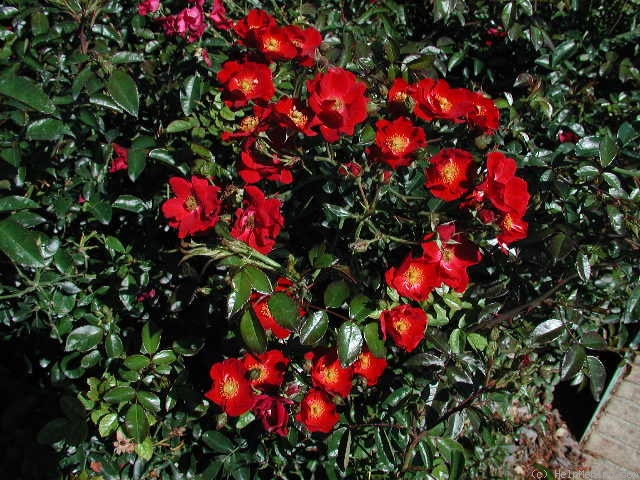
(20, 244)
(359, 308)
(119, 394)
(151, 338)
(477, 341)
(15, 202)
(217, 442)
(149, 400)
(127, 57)
(137, 362)
(145, 449)
(124, 91)
(136, 423)
(137, 163)
(336, 293)
(190, 94)
(258, 280)
(572, 361)
(349, 343)
(284, 310)
(313, 328)
(583, 267)
(457, 341)
(588, 146)
(563, 51)
(508, 15)
(102, 210)
(240, 294)
(113, 346)
(547, 331)
(593, 340)
(374, 341)
(26, 91)
(608, 149)
(180, 126)
(47, 129)
(84, 338)
(130, 203)
(425, 360)
(108, 424)
(164, 357)
(252, 333)
(597, 375)
(627, 134)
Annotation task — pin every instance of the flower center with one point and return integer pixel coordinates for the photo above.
(258, 372)
(444, 103)
(331, 374)
(413, 275)
(401, 325)
(247, 85)
(447, 254)
(365, 361)
(316, 409)
(249, 123)
(230, 387)
(507, 222)
(271, 44)
(399, 97)
(338, 105)
(397, 143)
(191, 203)
(298, 118)
(263, 309)
(450, 172)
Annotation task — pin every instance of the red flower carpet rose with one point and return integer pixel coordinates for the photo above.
(196, 207)
(450, 175)
(328, 373)
(274, 43)
(502, 188)
(370, 367)
(266, 370)
(405, 325)
(245, 81)
(436, 99)
(254, 166)
(415, 278)
(306, 42)
(254, 22)
(513, 228)
(399, 95)
(483, 114)
(339, 102)
(453, 254)
(396, 141)
(259, 222)
(121, 161)
(273, 413)
(260, 306)
(318, 412)
(231, 389)
(293, 113)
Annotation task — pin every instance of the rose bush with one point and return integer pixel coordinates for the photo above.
(330, 240)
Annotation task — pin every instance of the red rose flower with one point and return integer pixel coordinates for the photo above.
(255, 21)
(436, 99)
(231, 390)
(245, 81)
(318, 412)
(255, 166)
(148, 6)
(219, 17)
(484, 113)
(266, 370)
(250, 125)
(504, 190)
(405, 325)
(189, 23)
(259, 222)
(370, 367)
(306, 42)
(396, 141)
(450, 174)
(292, 113)
(195, 208)
(398, 96)
(121, 162)
(513, 228)
(328, 373)
(567, 136)
(274, 43)
(272, 412)
(352, 169)
(339, 102)
(453, 254)
(415, 278)
(260, 305)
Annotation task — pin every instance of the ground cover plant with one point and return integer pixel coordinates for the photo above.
(259, 240)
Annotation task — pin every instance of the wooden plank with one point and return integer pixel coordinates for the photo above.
(603, 468)
(621, 430)
(625, 456)
(628, 390)
(624, 409)
(634, 375)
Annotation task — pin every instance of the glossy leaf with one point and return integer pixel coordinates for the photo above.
(84, 338)
(124, 91)
(313, 328)
(349, 343)
(136, 423)
(284, 310)
(253, 333)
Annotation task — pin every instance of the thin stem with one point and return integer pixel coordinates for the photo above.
(316, 307)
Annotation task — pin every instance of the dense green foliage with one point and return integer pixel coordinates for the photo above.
(85, 352)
